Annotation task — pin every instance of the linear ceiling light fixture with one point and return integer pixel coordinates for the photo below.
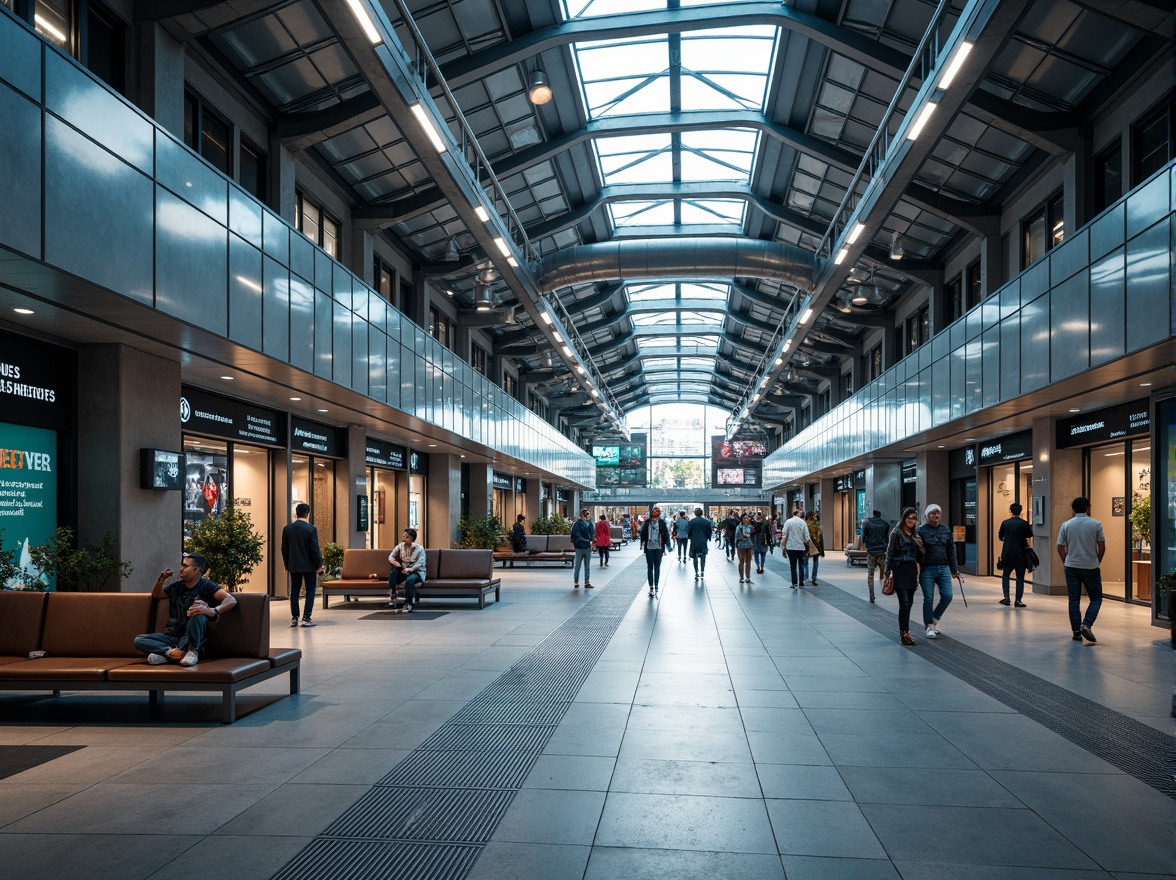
(538, 88)
(855, 232)
(808, 313)
(365, 21)
(957, 61)
(422, 115)
(924, 115)
(481, 213)
(502, 245)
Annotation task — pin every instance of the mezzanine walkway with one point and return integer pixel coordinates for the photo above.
(717, 731)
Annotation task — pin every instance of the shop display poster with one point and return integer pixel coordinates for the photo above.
(28, 493)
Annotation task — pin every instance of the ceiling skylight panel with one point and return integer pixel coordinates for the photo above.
(646, 292)
(624, 76)
(639, 159)
(659, 213)
(712, 211)
(595, 8)
(701, 91)
(698, 166)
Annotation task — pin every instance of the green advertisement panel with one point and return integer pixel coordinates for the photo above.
(28, 493)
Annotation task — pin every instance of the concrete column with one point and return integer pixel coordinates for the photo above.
(884, 489)
(350, 481)
(160, 77)
(931, 483)
(533, 506)
(444, 507)
(1057, 479)
(461, 341)
(482, 491)
(281, 171)
(128, 400)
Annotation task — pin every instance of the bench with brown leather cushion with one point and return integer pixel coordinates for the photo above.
(461, 575)
(88, 640)
(540, 548)
(355, 578)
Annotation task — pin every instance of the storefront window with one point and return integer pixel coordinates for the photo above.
(1139, 516)
(382, 527)
(1164, 511)
(251, 493)
(206, 489)
(416, 507)
(312, 480)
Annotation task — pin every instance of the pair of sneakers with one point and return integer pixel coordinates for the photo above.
(186, 658)
(306, 621)
(933, 630)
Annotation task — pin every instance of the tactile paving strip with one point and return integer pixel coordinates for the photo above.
(432, 814)
(1135, 748)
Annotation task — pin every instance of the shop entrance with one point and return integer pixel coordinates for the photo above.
(1118, 478)
(312, 481)
(221, 474)
(1008, 483)
(382, 529)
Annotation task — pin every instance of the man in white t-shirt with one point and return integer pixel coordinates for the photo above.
(795, 539)
(1081, 545)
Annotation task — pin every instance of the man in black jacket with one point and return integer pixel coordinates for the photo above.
(875, 533)
(729, 526)
(303, 558)
(1017, 536)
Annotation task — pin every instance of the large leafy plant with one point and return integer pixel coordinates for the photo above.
(479, 532)
(85, 569)
(229, 544)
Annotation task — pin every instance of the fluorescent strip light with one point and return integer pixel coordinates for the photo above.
(546, 317)
(580, 369)
(481, 213)
(558, 338)
(754, 399)
(502, 246)
(48, 28)
(858, 229)
(788, 345)
(512, 262)
(779, 361)
(422, 116)
(808, 313)
(957, 61)
(924, 115)
(841, 255)
(594, 392)
(365, 21)
(567, 351)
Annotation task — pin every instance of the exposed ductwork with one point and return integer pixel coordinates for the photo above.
(677, 258)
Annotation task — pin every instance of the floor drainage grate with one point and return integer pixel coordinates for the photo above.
(1135, 748)
(430, 816)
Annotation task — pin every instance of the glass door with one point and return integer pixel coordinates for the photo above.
(251, 493)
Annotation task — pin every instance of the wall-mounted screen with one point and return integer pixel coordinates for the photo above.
(737, 462)
(161, 469)
(607, 455)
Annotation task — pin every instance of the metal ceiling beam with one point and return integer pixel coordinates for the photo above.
(660, 123)
(988, 26)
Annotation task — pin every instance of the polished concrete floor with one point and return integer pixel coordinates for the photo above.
(726, 731)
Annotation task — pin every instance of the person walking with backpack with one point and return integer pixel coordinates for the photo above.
(583, 537)
(744, 545)
(682, 535)
(875, 534)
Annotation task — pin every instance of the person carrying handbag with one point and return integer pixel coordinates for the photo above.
(901, 571)
(816, 548)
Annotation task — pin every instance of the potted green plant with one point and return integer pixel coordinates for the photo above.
(332, 560)
(229, 544)
(1140, 519)
(84, 569)
(551, 525)
(479, 532)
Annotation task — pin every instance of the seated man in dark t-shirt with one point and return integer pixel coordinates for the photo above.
(193, 602)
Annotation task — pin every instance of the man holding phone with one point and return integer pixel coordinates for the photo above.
(193, 602)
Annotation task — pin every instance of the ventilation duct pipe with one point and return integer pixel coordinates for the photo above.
(677, 258)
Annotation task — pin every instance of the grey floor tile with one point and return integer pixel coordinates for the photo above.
(347, 766)
(848, 700)
(611, 863)
(943, 787)
(111, 809)
(857, 683)
(297, 810)
(818, 868)
(699, 720)
(658, 821)
(683, 745)
(552, 817)
(571, 772)
(897, 723)
(18, 800)
(1002, 741)
(823, 828)
(501, 860)
(90, 856)
(955, 871)
(929, 751)
(88, 765)
(651, 776)
(775, 719)
(241, 857)
(599, 741)
(972, 836)
(1134, 828)
(788, 748)
(242, 766)
(767, 699)
(802, 782)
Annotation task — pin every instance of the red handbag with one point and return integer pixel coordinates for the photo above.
(888, 585)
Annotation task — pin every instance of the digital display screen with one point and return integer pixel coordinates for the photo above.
(161, 469)
(607, 455)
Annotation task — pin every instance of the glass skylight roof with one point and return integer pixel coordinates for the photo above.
(649, 319)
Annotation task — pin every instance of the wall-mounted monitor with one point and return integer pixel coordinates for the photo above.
(161, 469)
(607, 455)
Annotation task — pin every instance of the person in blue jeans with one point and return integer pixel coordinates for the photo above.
(655, 540)
(682, 535)
(583, 538)
(759, 549)
(1081, 545)
(938, 569)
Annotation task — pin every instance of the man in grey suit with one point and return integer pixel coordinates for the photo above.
(303, 559)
